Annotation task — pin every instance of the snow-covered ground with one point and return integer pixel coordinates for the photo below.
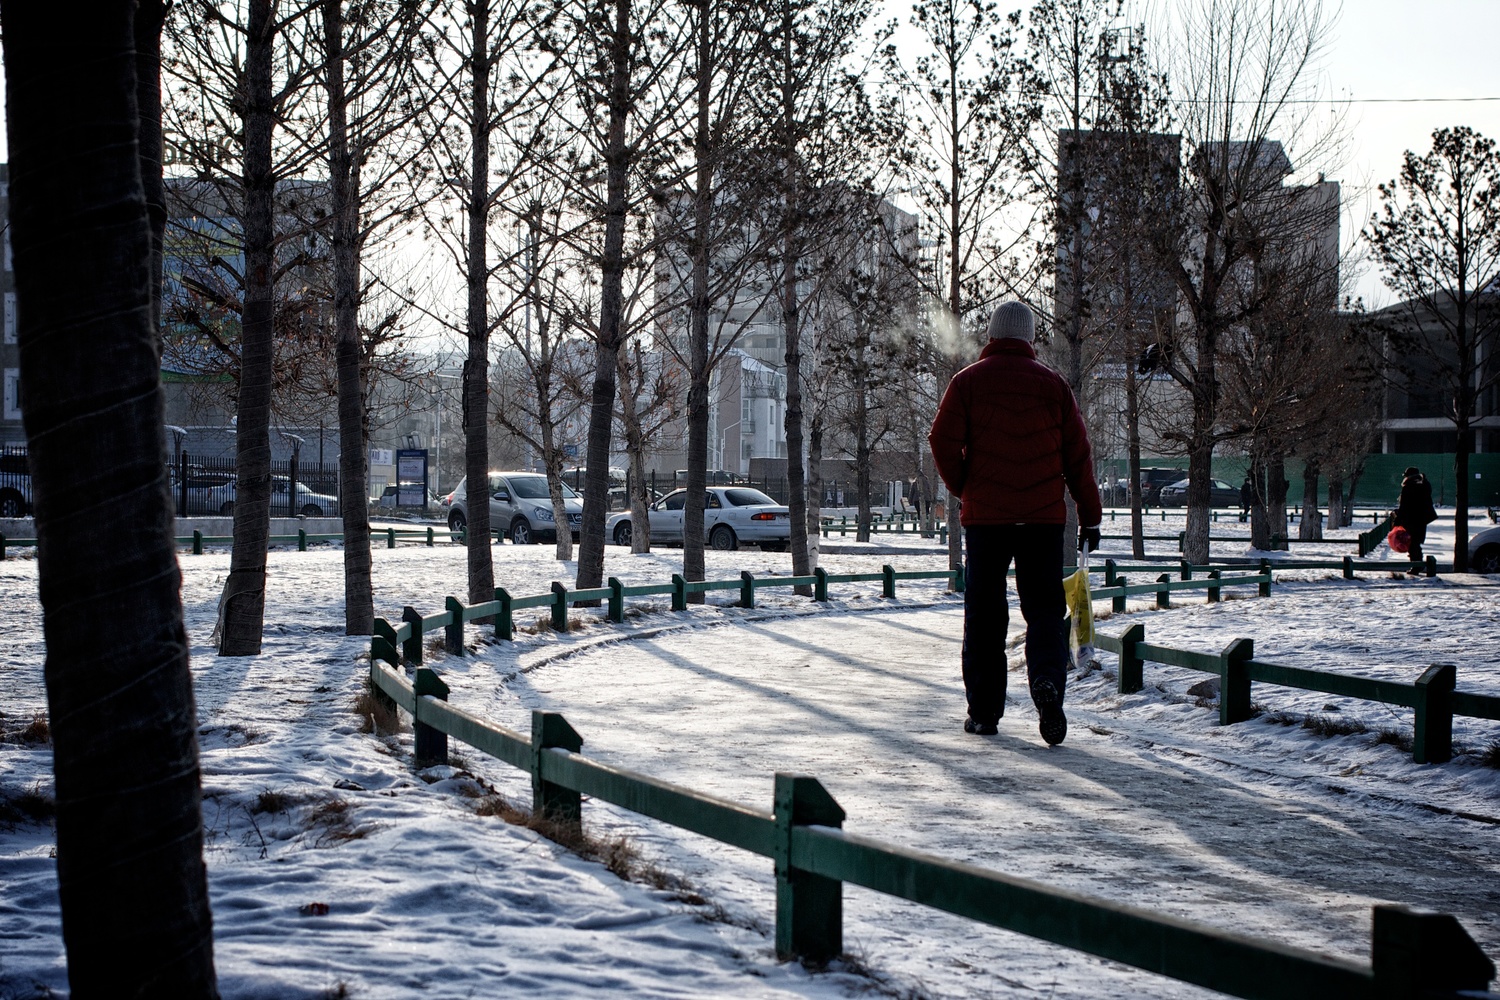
(1261, 828)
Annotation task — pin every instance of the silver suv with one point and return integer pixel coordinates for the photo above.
(520, 506)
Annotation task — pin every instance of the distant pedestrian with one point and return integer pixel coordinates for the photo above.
(1247, 496)
(1414, 512)
(1007, 439)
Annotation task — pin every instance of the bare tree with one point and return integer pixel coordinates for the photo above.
(956, 152)
(367, 66)
(1245, 69)
(1437, 240)
(488, 90)
(131, 879)
(620, 57)
(814, 98)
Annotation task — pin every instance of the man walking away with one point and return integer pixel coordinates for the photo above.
(1008, 437)
(1414, 512)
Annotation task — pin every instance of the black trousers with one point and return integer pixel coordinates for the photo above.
(1036, 549)
(1418, 535)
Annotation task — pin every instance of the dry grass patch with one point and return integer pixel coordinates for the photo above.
(617, 854)
(378, 715)
(331, 822)
(31, 806)
(1490, 756)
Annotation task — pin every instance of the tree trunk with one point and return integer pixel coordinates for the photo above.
(242, 607)
(1335, 502)
(1461, 488)
(635, 447)
(1260, 522)
(1276, 486)
(862, 443)
(1133, 453)
(129, 828)
(815, 486)
(476, 370)
(1311, 528)
(611, 305)
(343, 174)
(796, 471)
(698, 370)
(150, 16)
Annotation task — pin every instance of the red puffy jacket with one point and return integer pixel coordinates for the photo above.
(1008, 436)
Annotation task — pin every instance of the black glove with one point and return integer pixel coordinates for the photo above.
(1088, 539)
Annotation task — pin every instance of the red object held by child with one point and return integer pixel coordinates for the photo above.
(1399, 539)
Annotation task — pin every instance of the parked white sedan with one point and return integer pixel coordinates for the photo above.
(731, 515)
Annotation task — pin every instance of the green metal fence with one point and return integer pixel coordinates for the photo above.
(1412, 953)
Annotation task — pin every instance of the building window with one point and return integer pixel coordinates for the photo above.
(12, 394)
(10, 317)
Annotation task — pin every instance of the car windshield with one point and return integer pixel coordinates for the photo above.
(535, 487)
(747, 498)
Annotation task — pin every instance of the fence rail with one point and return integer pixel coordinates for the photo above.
(1413, 953)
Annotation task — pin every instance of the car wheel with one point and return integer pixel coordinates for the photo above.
(722, 538)
(456, 521)
(520, 532)
(1487, 559)
(312, 510)
(11, 504)
(623, 533)
(227, 510)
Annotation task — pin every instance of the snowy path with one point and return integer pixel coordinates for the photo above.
(1258, 827)
(1214, 825)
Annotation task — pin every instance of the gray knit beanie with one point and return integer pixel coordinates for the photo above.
(1012, 319)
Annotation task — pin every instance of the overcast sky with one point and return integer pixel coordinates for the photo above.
(1393, 49)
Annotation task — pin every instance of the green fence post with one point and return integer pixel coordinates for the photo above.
(1213, 592)
(2, 547)
(1132, 667)
(1185, 569)
(679, 592)
(390, 538)
(888, 581)
(747, 589)
(1432, 566)
(960, 579)
(1348, 567)
(1117, 603)
(1164, 596)
(1415, 953)
(557, 803)
(429, 536)
(1265, 571)
(197, 542)
(430, 745)
(616, 600)
(1181, 540)
(384, 631)
(1432, 729)
(301, 539)
(453, 635)
(559, 606)
(1234, 681)
(505, 626)
(943, 533)
(820, 584)
(382, 648)
(809, 908)
(411, 649)
(1110, 571)
(844, 526)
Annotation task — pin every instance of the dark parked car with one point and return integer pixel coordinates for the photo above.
(1152, 481)
(1221, 494)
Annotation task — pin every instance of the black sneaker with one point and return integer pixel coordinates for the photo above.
(1053, 724)
(980, 728)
